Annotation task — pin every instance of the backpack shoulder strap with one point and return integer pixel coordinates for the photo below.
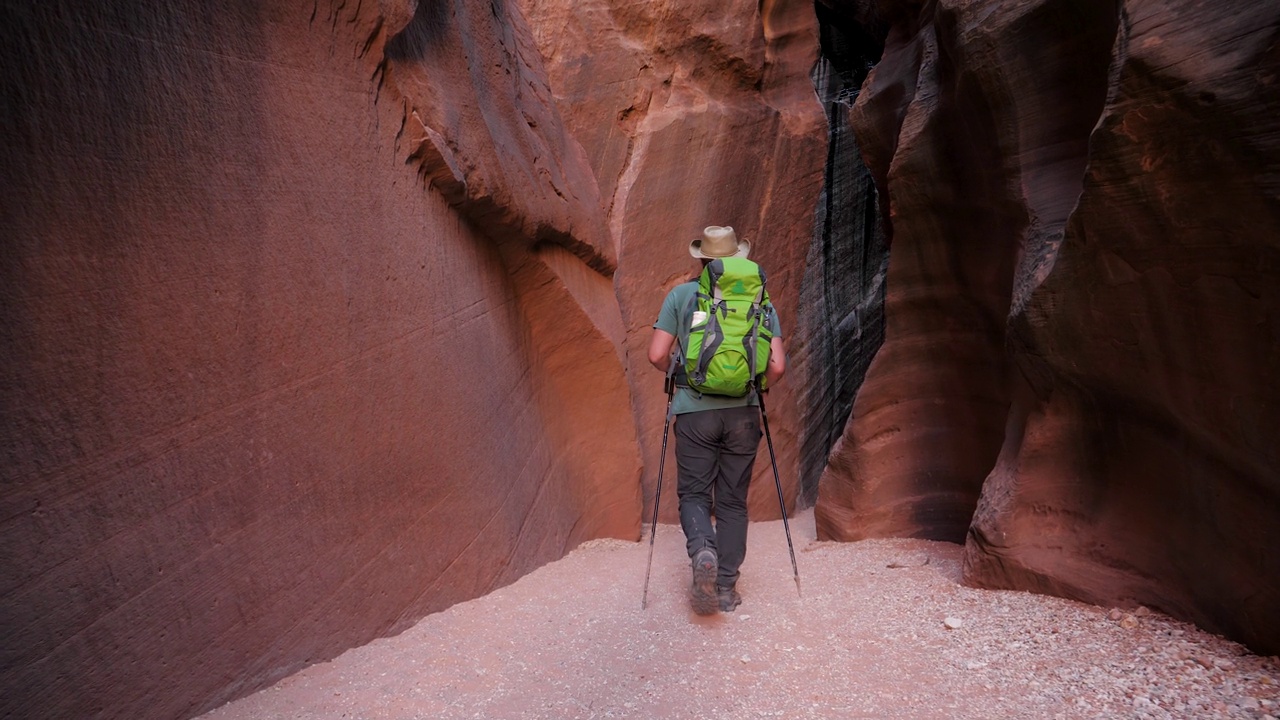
(684, 317)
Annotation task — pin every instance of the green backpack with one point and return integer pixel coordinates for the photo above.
(724, 334)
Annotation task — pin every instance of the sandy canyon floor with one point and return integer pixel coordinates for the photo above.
(884, 629)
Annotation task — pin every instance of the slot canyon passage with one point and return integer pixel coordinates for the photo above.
(325, 390)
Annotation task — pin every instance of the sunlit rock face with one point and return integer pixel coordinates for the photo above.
(1083, 315)
(694, 114)
(297, 309)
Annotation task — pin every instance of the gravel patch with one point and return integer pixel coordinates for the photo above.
(884, 630)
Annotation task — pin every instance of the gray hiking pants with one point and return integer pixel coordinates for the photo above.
(715, 452)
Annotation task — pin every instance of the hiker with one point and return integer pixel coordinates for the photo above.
(716, 438)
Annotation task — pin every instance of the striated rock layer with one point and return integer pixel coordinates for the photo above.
(1141, 462)
(928, 419)
(1082, 315)
(695, 114)
(294, 304)
(842, 295)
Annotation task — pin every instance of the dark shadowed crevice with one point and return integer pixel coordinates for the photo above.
(843, 287)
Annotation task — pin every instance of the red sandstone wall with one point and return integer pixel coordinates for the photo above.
(694, 114)
(1141, 463)
(266, 394)
(1082, 326)
(927, 421)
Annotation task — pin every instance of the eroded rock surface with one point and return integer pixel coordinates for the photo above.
(1141, 463)
(694, 114)
(929, 417)
(843, 291)
(1082, 320)
(267, 393)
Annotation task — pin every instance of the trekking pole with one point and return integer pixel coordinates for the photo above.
(670, 386)
(773, 460)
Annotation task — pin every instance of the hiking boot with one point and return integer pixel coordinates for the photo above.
(703, 593)
(728, 597)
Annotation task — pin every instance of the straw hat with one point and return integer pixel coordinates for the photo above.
(719, 242)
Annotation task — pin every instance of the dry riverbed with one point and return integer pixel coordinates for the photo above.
(884, 630)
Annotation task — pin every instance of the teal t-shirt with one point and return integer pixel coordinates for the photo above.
(686, 400)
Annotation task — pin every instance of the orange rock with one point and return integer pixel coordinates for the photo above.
(677, 104)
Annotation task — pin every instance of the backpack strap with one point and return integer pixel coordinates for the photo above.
(712, 336)
(756, 316)
(684, 317)
(749, 342)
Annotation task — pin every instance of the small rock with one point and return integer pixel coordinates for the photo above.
(1224, 664)
(743, 617)
(1142, 611)
(746, 658)
(976, 665)
(1129, 622)
(1115, 614)
(952, 623)
(1250, 703)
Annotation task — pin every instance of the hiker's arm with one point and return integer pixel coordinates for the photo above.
(777, 366)
(660, 349)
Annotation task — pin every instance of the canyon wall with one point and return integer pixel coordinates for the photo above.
(320, 318)
(296, 304)
(843, 290)
(696, 114)
(1082, 320)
